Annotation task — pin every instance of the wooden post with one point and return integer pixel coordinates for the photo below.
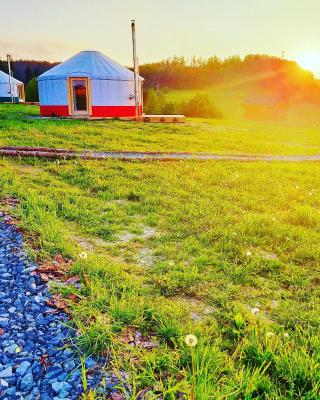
(135, 65)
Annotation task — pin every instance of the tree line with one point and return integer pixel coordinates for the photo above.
(273, 74)
(25, 70)
(284, 78)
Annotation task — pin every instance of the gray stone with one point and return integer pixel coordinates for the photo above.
(27, 382)
(23, 367)
(6, 373)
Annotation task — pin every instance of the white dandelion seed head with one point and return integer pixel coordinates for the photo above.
(83, 255)
(255, 310)
(191, 340)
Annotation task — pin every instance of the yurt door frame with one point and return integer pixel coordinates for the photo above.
(80, 96)
(21, 93)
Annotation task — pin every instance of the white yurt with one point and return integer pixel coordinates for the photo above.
(89, 84)
(13, 92)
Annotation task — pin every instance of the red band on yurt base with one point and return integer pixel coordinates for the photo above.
(114, 111)
(97, 111)
(50, 111)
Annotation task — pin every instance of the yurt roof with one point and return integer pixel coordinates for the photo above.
(92, 64)
(4, 78)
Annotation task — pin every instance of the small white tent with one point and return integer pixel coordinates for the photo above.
(7, 93)
(89, 83)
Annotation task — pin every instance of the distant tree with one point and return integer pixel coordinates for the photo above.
(32, 92)
(3, 66)
(28, 74)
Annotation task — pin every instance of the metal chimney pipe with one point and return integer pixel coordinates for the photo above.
(135, 65)
(10, 76)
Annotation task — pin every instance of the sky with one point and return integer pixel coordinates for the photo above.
(54, 30)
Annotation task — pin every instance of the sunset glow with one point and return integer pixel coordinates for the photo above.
(214, 28)
(310, 61)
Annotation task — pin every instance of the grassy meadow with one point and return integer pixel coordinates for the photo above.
(226, 251)
(225, 136)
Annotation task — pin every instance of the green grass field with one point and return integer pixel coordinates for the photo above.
(226, 251)
(230, 98)
(226, 136)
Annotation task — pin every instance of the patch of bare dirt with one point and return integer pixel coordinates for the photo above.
(147, 233)
(133, 337)
(89, 244)
(198, 310)
(146, 257)
(126, 237)
(267, 255)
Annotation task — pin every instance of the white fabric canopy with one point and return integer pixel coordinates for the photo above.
(91, 64)
(4, 78)
(5, 86)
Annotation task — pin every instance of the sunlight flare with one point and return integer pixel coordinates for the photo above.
(310, 61)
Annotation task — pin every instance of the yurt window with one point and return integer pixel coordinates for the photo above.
(79, 95)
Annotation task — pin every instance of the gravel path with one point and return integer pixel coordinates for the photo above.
(196, 156)
(22, 151)
(37, 360)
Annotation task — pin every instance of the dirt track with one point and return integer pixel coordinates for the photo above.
(43, 152)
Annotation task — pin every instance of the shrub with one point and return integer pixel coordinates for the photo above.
(200, 106)
(154, 102)
(32, 92)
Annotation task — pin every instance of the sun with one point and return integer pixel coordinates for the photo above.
(310, 61)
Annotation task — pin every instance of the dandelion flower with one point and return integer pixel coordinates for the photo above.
(255, 310)
(191, 340)
(248, 253)
(270, 335)
(286, 335)
(83, 255)
(171, 263)
(18, 350)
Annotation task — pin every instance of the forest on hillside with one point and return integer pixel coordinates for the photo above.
(25, 70)
(282, 78)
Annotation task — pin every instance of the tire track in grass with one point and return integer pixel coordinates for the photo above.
(52, 153)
